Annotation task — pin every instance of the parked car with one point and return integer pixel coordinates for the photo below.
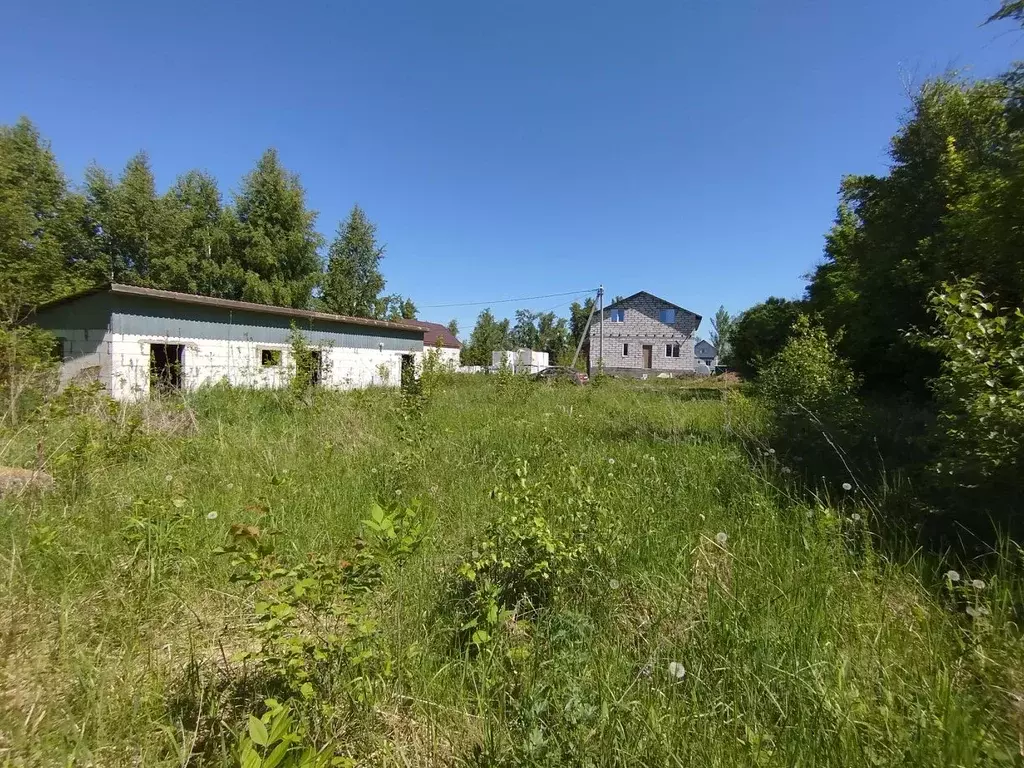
(562, 373)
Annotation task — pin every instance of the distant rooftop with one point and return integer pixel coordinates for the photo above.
(435, 332)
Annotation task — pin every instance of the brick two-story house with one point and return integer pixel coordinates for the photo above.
(645, 335)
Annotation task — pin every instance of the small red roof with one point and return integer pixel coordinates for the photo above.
(435, 331)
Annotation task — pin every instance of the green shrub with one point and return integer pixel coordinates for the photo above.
(808, 382)
(28, 365)
(980, 389)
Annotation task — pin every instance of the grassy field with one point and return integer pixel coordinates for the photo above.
(605, 575)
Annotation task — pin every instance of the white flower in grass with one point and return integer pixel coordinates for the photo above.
(231, 486)
(168, 478)
(786, 470)
(721, 538)
(978, 584)
(952, 575)
(855, 517)
(976, 612)
(847, 487)
(677, 670)
(611, 460)
(614, 584)
(771, 451)
(211, 515)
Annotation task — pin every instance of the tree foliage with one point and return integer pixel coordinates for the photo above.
(948, 207)
(38, 220)
(353, 282)
(980, 387)
(275, 240)
(260, 246)
(760, 333)
(489, 335)
(721, 327)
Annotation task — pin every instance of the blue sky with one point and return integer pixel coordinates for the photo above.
(692, 149)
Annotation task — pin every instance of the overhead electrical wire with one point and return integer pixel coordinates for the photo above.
(508, 301)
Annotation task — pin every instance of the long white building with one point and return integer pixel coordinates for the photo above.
(133, 340)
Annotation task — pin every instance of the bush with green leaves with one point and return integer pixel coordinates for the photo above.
(28, 367)
(276, 740)
(312, 619)
(980, 389)
(808, 384)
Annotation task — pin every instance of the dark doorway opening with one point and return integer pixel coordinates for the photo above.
(316, 368)
(165, 362)
(648, 351)
(408, 371)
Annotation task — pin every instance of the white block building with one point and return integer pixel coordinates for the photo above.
(520, 360)
(133, 340)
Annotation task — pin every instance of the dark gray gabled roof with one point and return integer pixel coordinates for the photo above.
(211, 301)
(704, 348)
(658, 298)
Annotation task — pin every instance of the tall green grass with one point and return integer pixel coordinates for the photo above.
(788, 641)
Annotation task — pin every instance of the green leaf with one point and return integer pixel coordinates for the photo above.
(274, 758)
(307, 690)
(258, 731)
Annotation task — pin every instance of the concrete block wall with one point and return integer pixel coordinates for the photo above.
(447, 356)
(641, 325)
(239, 362)
(86, 355)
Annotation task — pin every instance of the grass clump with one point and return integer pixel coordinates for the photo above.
(320, 576)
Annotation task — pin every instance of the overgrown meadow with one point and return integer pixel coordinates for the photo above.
(486, 572)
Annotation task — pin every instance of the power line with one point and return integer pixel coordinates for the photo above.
(507, 301)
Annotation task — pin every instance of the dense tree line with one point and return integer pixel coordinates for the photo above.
(541, 331)
(57, 238)
(906, 352)
(949, 207)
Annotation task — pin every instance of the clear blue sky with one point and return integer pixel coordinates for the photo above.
(692, 148)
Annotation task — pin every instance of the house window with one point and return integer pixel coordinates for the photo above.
(671, 350)
(625, 350)
(667, 315)
(270, 357)
(618, 316)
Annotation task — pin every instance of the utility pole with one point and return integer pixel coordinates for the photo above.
(600, 330)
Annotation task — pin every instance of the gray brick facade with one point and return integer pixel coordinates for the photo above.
(642, 326)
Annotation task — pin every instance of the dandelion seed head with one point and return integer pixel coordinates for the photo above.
(614, 584)
(771, 451)
(847, 487)
(677, 670)
(721, 538)
(978, 584)
(611, 460)
(952, 575)
(855, 517)
(168, 478)
(211, 515)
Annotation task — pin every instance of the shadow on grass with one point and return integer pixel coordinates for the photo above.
(886, 463)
